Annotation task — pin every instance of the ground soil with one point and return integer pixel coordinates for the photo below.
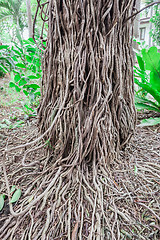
(138, 167)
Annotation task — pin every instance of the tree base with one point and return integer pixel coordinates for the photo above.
(86, 201)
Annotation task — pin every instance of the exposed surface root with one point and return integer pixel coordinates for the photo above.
(88, 201)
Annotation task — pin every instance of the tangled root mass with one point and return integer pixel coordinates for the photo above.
(86, 117)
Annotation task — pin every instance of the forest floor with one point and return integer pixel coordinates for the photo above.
(136, 175)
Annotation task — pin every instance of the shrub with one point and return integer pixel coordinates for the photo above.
(27, 72)
(147, 77)
(6, 62)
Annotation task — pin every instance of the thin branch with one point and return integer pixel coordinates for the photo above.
(149, 5)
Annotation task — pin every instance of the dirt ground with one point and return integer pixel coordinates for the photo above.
(135, 176)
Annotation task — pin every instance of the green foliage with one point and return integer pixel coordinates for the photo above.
(15, 197)
(155, 32)
(13, 188)
(2, 196)
(25, 63)
(135, 170)
(6, 62)
(147, 77)
(10, 11)
(27, 72)
(150, 122)
(8, 124)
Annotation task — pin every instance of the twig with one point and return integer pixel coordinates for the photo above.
(149, 5)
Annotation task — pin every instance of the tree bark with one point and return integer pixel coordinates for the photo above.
(88, 93)
(87, 112)
(86, 116)
(29, 15)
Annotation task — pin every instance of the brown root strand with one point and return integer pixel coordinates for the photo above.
(83, 189)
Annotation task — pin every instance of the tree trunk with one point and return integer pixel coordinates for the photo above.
(29, 15)
(88, 93)
(87, 113)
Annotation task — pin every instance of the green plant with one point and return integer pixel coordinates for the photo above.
(16, 194)
(147, 77)
(155, 19)
(11, 10)
(27, 72)
(150, 122)
(8, 124)
(155, 32)
(6, 62)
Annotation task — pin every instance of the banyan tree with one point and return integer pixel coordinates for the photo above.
(85, 118)
(88, 80)
(87, 111)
